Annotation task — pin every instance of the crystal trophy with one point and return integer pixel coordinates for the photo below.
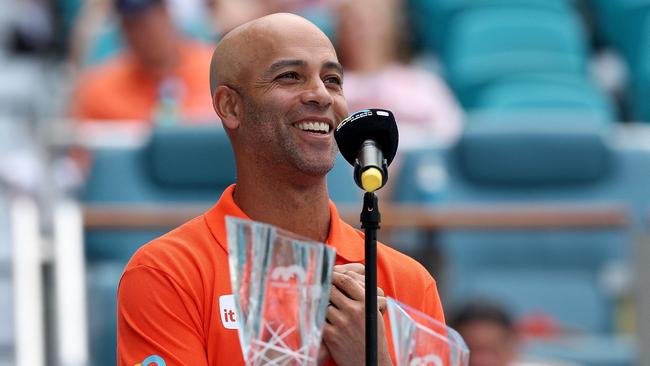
(420, 340)
(281, 284)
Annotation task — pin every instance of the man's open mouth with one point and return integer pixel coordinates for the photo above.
(313, 127)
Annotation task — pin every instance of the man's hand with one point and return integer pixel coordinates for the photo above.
(358, 271)
(344, 331)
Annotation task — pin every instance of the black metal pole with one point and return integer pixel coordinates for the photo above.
(370, 219)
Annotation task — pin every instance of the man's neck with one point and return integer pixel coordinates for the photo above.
(303, 210)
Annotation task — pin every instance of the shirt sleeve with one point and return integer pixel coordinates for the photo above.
(157, 320)
(432, 305)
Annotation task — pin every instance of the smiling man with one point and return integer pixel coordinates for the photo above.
(276, 84)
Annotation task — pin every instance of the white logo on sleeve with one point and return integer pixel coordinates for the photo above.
(228, 312)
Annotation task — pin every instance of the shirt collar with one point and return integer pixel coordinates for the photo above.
(346, 240)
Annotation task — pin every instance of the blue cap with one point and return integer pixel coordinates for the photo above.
(135, 7)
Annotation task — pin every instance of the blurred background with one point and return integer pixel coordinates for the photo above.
(522, 181)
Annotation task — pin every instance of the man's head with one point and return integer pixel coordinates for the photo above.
(488, 332)
(277, 86)
(149, 32)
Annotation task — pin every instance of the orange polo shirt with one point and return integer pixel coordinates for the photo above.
(175, 304)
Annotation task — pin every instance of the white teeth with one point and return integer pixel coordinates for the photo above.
(313, 126)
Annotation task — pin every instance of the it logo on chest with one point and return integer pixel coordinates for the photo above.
(228, 312)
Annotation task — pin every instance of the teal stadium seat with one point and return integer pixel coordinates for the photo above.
(177, 165)
(487, 44)
(619, 23)
(527, 162)
(428, 18)
(588, 351)
(639, 88)
(341, 185)
(548, 94)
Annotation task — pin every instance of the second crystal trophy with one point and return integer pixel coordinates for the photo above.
(281, 284)
(420, 340)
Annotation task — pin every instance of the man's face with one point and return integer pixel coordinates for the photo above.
(489, 344)
(292, 100)
(151, 36)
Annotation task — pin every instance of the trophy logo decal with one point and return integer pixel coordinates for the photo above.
(429, 360)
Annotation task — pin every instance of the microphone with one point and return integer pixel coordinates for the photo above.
(368, 140)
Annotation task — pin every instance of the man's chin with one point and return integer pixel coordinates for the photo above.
(316, 170)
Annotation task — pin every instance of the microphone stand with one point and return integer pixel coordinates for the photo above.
(370, 219)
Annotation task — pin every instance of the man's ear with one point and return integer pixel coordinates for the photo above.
(227, 103)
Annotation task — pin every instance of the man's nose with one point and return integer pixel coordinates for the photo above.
(317, 94)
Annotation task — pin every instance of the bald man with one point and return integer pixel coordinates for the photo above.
(276, 84)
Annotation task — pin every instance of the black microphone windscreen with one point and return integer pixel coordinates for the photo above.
(367, 124)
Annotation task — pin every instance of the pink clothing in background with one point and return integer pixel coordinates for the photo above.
(426, 111)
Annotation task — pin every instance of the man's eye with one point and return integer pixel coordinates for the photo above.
(334, 80)
(288, 75)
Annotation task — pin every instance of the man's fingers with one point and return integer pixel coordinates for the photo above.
(348, 286)
(337, 298)
(382, 304)
(334, 315)
(361, 279)
(352, 267)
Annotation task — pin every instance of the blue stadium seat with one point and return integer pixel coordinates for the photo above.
(428, 19)
(573, 298)
(532, 162)
(592, 350)
(424, 24)
(639, 85)
(177, 165)
(620, 24)
(340, 183)
(547, 93)
(487, 44)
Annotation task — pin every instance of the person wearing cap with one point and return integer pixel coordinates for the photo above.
(276, 85)
(159, 78)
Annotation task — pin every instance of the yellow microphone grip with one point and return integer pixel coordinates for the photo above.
(371, 179)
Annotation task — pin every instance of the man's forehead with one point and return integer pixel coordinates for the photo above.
(254, 47)
(296, 53)
(280, 64)
(286, 44)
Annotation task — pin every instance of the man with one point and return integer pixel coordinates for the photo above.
(489, 333)
(277, 87)
(159, 79)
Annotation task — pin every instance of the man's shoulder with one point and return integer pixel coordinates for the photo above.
(402, 265)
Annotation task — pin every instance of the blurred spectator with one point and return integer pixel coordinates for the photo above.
(367, 40)
(492, 337)
(160, 78)
(227, 14)
(489, 333)
(32, 26)
(94, 31)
